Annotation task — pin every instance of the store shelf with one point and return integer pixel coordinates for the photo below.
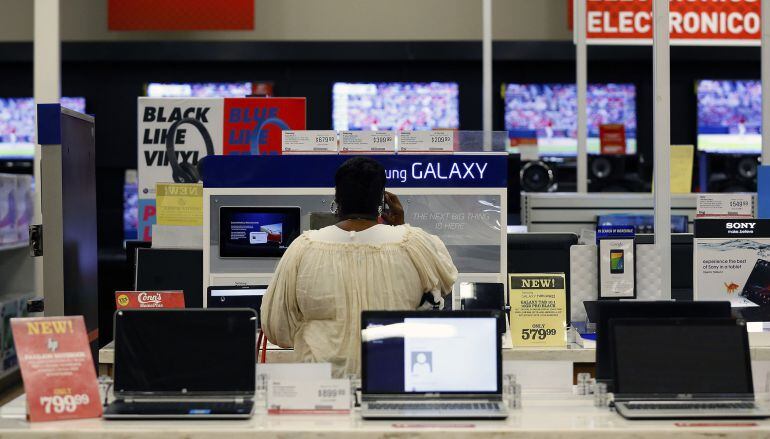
(14, 246)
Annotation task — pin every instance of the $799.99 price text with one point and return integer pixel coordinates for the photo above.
(63, 403)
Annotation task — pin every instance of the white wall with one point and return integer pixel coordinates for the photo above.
(319, 20)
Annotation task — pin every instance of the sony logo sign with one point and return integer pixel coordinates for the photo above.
(740, 225)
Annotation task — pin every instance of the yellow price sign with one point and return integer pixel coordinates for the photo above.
(538, 309)
(179, 204)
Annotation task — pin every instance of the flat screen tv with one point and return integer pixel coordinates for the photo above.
(729, 116)
(17, 125)
(547, 114)
(395, 105)
(199, 90)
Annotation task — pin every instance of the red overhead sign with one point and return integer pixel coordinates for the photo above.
(163, 15)
(696, 22)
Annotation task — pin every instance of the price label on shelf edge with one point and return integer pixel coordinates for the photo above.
(330, 396)
(381, 142)
(309, 141)
(725, 205)
(426, 141)
(538, 309)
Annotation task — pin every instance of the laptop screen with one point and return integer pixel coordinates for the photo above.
(175, 351)
(436, 352)
(681, 356)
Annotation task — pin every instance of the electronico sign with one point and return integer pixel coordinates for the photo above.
(691, 22)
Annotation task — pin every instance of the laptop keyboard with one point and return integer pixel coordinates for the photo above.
(180, 408)
(691, 406)
(433, 406)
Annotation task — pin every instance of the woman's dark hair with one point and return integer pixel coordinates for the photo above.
(359, 184)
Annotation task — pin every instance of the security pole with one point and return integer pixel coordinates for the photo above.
(47, 89)
(581, 58)
(661, 63)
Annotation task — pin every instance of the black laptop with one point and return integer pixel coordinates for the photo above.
(612, 309)
(184, 363)
(682, 369)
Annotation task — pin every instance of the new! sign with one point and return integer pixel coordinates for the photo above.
(149, 299)
(702, 22)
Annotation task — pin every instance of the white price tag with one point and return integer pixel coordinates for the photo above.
(382, 142)
(426, 141)
(318, 396)
(725, 205)
(310, 141)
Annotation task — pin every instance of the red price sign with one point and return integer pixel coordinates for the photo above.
(149, 299)
(57, 368)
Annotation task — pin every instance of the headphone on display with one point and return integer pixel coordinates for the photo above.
(186, 172)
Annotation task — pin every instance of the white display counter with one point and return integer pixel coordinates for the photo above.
(573, 417)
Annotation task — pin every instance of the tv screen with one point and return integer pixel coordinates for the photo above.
(17, 125)
(253, 232)
(396, 106)
(730, 116)
(547, 114)
(199, 90)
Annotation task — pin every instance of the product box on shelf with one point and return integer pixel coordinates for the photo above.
(8, 232)
(24, 206)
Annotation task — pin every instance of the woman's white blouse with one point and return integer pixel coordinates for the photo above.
(328, 276)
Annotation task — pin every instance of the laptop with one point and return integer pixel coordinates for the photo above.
(236, 296)
(613, 309)
(431, 365)
(484, 296)
(682, 369)
(184, 363)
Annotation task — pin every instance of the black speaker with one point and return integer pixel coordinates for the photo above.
(538, 176)
(732, 172)
(613, 173)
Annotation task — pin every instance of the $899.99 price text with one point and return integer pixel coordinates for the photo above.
(63, 403)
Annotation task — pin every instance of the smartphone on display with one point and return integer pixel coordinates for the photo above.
(616, 262)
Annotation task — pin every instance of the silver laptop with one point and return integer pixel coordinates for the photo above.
(184, 363)
(683, 369)
(431, 365)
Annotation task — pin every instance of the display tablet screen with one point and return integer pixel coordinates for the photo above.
(253, 232)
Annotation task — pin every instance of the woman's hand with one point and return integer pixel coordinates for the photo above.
(393, 214)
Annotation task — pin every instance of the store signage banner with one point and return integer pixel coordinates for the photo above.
(702, 22)
(160, 15)
(253, 125)
(57, 368)
(732, 260)
(149, 299)
(538, 309)
(407, 170)
(237, 126)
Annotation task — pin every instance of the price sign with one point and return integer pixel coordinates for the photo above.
(727, 205)
(309, 142)
(57, 368)
(426, 141)
(538, 309)
(317, 396)
(382, 142)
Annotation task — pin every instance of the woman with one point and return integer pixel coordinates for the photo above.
(328, 276)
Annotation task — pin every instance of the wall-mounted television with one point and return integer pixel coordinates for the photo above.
(395, 105)
(199, 89)
(547, 114)
(729, 116)
(17, 125)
